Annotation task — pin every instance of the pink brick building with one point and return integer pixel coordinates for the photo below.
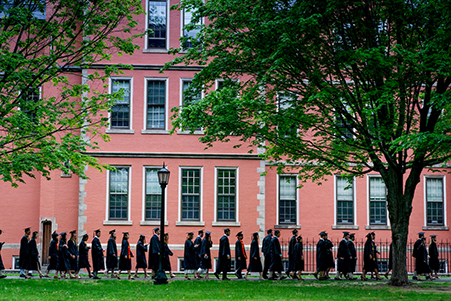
(208, 189)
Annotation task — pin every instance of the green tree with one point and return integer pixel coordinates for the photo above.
(329, 86)
(46, 43)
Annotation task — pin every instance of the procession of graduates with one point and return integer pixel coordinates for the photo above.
(67, 258)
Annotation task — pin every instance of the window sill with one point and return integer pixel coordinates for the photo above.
(117, 223)
(226, 224)
(190, 223)
(377, 227)
(345, 227)
(436, 228)
(152, 223)
(160, 132)
(66, 175)
(155, 50)
(196, 132)
(118, 131)
(287, 227)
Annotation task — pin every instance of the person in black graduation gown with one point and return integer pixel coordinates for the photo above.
(23, 253)
(166, 253)
(154, 251)
(329, 256)
(344, 257)
(125, 259)
(73, 250)
(276, 257)
(255, 264)
(298, 258)
(206, 254)
(292, 244)
(421, 263)
(369, 258)
(189, 256)
(434, 262)
(197, 244)
(416, 245)
(266, 250)
(223, 255)
(111, 254)
(2, 267)
(98, 262)
(63, 258)
(33, 256)
(240, 255)
(83, 260)
(53, 254)
(321, 256)
(141, 262)
(353, 261)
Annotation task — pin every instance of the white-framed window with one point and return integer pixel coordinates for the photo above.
(152, 203)
(226, 194)
(187, 19)
(157, 17)
(156, 104)
(184, 86)
(285, 104)
(287, 200)
(344, 201)
(190, 193)
(377, 201)
(435, 200)
(119, 193)
(121, 116)
(29, 103)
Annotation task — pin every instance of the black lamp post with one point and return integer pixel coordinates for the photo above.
(163, 179)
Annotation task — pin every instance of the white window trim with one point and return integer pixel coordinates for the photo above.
(200, 222)
(445, 223)
(354, 225)
(278, 199)
(235, 223)
(158, 50)
(144, 222)
(110, 90)
(113, 222)
(376, 227)
(185, 79)
(166, 107)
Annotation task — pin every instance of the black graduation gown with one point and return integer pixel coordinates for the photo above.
(111, 254)
(276, 259)
(83, 261)
(205, 254)
(125, 260)
(98, 262)
(329, 255)
(73, 250)
(421, 264)
(416, 245)
(369, 264)
(343, 252)
(291, 260)
(63, 257)
(255, 264)
(141, 249)
(23, 253)
(298, 257)
(353, 261)
(2, 267)
(321, 255)
(197, 245)
(223, 260)
(33, 256)
(189, 256)
(239, 264)
(434, 263)
(53, 253)
(154, 252)
(266, 250)
(166, 260)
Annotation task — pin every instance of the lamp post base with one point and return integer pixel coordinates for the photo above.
(161, 278)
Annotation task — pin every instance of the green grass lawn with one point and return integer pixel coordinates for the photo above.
(35, 289)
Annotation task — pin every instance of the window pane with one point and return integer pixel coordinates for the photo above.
(345, 201)
(118, 193)
(434, 200)
(153, 195)
(122, 85)
(226, 194)
(378, 204)
(157, 23)
(190, 194)
(287, 188)
(156, 100)
(342, 193)
(192, 34)
(345, 212)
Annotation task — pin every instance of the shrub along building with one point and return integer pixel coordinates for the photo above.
(211, 189)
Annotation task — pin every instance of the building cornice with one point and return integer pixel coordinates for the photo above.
(173, 155)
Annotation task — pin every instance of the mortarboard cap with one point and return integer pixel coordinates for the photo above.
(85, 236)
(73, 232)
(142, 236)
(190, 233)
(294, 231)
(420, 234)
(63, 233)
(239, 234)
(156, 229)
(27, 229)
(97, 231)
(352, 234)
(207, 232)
(124, 233)
(322, 233)
(112, 231)
(226, 229)
(54, 234)
(200, 231)
(345, 233)
(269, 231)
(433, 236)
